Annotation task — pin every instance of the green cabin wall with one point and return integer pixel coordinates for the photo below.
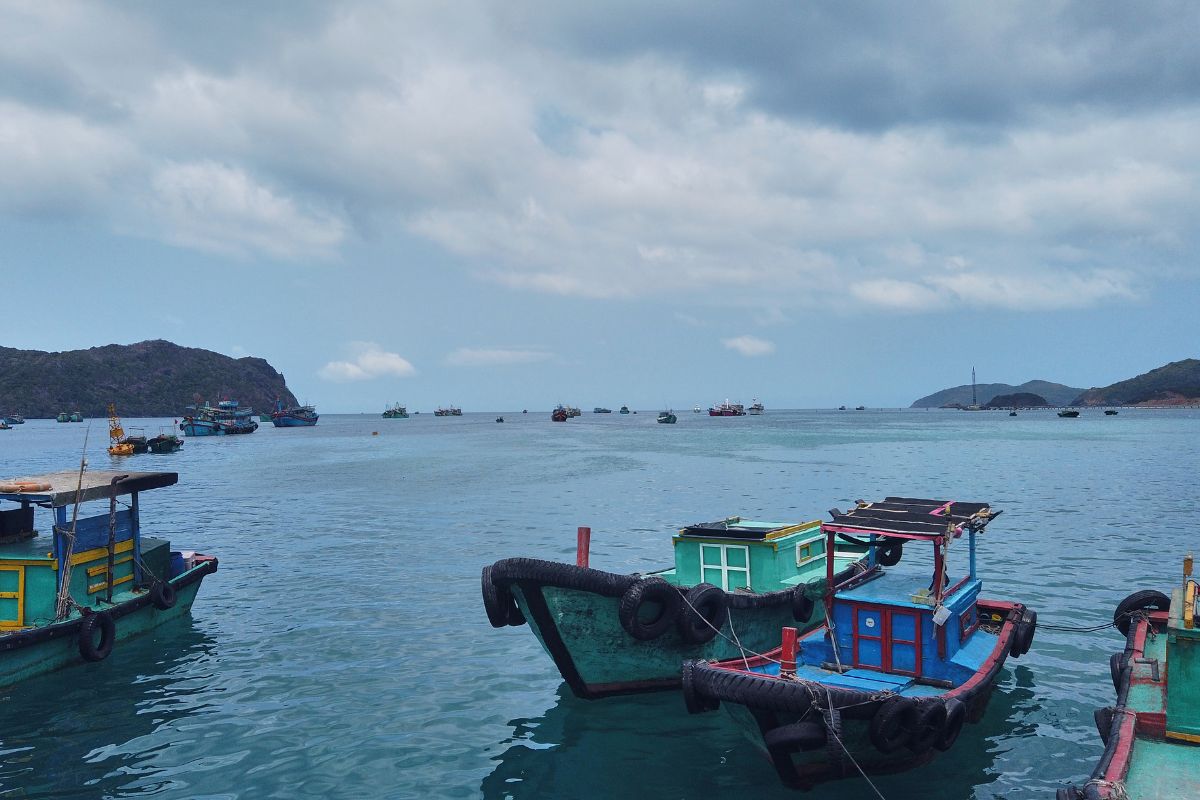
(772, 563)
(1183, 673)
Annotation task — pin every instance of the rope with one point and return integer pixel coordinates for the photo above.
(1092, 629)
(833, 735)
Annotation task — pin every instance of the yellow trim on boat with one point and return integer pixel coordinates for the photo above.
(1189, 603)
(1185, 737)
(21, 562)
(788, 531)
(100, 569)
(19, 596)
(99, 587)
(100, 552)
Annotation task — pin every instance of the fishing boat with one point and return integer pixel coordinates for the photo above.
(841, 408)
(1110, 412)
(395, 412)
(1152, 732)
(1069, 413)
(860, 408)
(666, 417)
(896, 664)
(559, 414)
(294, 417)
(69, 596)
(734, 580)
(14, 419)
(599, 410)
(572, 411)
(756, 408)
(448, 412)
(76, 416)
(63, 417)
(264, 417)
(727, 409)
(225, 419)
(697, 410)
(499, 419)
(164, 443)
(624, 409)
(117, 446)
(4, 426)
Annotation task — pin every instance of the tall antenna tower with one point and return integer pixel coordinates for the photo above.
(974, 399)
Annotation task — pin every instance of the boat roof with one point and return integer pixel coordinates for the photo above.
(738, 528)
(95, 485)
(912, 518)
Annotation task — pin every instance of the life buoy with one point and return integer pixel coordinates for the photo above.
(931, 720)
(89, 647)
(802, 605)
(956, 717)
(892, 724)
(18, 487)
(162, 595)
(703, 613)
(643, 596)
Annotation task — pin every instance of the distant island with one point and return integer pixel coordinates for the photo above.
(1174, 384)
(1054, 394)
(148, 379)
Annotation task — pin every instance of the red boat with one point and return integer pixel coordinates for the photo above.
(559, 414)
(728, 409)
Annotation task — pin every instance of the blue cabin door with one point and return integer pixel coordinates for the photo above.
(887, 639)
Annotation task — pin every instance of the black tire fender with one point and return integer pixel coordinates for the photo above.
(889, 555)
(1104, 721)
(1115, 666)
(692, 699)
(1023, 635)
(162, 595)
(803, 606)
(930, 721)
(703, 613)
(892, 725)
(956, 717)
(1144, 600)
(796, 736)
(647, 591)
(498, 602)
(103, 623)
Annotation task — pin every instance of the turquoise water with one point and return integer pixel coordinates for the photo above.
(342, 649)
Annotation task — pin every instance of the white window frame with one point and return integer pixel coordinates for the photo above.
(724, 567)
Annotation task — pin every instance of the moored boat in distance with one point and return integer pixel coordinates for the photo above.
(91, 582)
(624, 409)
(727, 409)
(395, 412)
(1110, 412)
(697, 409)
(76, 416)
(1151, 732)
(1069, 413)
(756, 407)
(448, 412)
(225, 419)
(294, 417)
(63, 417)
(14, 419)
(666, 417)
(164, 443)
(599, 410)
(900, 666)
(733, 580)
(559, 414)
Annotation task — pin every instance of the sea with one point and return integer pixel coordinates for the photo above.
(342, 650)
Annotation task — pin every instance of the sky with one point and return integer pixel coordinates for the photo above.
(512, 205)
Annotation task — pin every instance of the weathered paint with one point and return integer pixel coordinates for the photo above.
(1183, 669)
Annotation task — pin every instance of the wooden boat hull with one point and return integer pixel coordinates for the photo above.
(292, 421)
(35, 651)
(767, 706)
(574, 613)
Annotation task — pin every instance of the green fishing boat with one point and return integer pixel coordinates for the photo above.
(63, 417)
(734, 584)
(1152, 734)
(70, 592)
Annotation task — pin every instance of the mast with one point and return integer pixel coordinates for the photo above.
(974, 399)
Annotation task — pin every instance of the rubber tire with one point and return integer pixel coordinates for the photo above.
(892, 725)
(1114, 669)
(163, 596)
(889, 555)
(931, 720)
(1023, 636)
(651, 589)
(803, 606)
(702, 613)
(692, 699)
(956, 717)
(1104, 720)
(88, 647)
(1139, 601)
(499, 603)
(796, 736)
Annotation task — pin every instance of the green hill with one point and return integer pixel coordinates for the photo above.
(1055, 393)
(1177, 383)
(148, 379)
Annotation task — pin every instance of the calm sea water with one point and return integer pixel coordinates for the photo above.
(342, 649)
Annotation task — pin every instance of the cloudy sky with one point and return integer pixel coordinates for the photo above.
(508, 205)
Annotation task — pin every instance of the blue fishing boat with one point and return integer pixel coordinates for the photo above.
(897, 667)
(294, 417)
(70, 595)
(226, 418)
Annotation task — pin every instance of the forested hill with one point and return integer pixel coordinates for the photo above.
(1177, 383)
(148, 379)
(1055, 393)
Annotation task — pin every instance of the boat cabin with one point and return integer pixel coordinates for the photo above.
(1182, 721)
(737, 553)
(95, 553)
(898, 625)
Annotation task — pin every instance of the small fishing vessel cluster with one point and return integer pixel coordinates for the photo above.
(224, 419)
(294, 417)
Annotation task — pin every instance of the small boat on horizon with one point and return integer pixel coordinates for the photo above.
(666, 417)
(697, 410)
(727, 409)
(1110, 412)
(624, 409)
(14, 419)
(559, 414)
(395, 412)
(63, 417)
(599, 410)
(756, 407)
(1069, 413)
(448, 412)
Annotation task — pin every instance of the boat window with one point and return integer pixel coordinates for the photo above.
(725, 565)
(809, 550)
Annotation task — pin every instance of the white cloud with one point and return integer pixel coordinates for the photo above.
(1047, 291)
(369, 361)
(494, 357)
(749, 345)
